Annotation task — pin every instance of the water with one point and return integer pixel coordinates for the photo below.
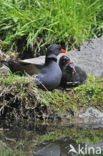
(53, 139)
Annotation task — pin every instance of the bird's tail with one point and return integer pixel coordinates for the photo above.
(14, 66)
(20, 67)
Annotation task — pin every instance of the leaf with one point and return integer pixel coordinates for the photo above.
(6, 27)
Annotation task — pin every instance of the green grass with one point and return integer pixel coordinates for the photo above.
(5, 151)
(89, 94)
(86, 95)
(36, 23)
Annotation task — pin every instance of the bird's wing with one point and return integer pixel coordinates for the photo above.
(22, 67)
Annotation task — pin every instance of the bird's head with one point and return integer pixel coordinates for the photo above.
(66, 61)
(54, 50)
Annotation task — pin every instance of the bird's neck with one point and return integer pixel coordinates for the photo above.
(49, 60)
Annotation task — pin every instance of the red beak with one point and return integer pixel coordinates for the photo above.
(70, 61)
(63, 51)
(74, 70)
(72, 65)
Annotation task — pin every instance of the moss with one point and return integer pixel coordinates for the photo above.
(88, 94)
(21, 93)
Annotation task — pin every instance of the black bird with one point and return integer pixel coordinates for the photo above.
(49, 74)
(71, 75)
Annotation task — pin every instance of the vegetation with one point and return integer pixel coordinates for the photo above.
(31, 24)
(27, 26)
(20, 98)
(5, 151)
(80, 135)
(25, 142)
(88, 94)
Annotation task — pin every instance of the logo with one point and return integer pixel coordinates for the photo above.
(84, 150)
(72, 149)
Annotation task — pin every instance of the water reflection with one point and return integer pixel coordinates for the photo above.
(68, 147)
(49, 139)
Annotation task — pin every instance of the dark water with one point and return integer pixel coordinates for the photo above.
(53, 139)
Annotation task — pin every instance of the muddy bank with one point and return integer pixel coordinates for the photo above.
(21, 99)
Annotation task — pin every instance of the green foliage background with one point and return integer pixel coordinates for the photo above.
(36, 23)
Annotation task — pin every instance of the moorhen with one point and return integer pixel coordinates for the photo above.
(71, 75)
(49, 74)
